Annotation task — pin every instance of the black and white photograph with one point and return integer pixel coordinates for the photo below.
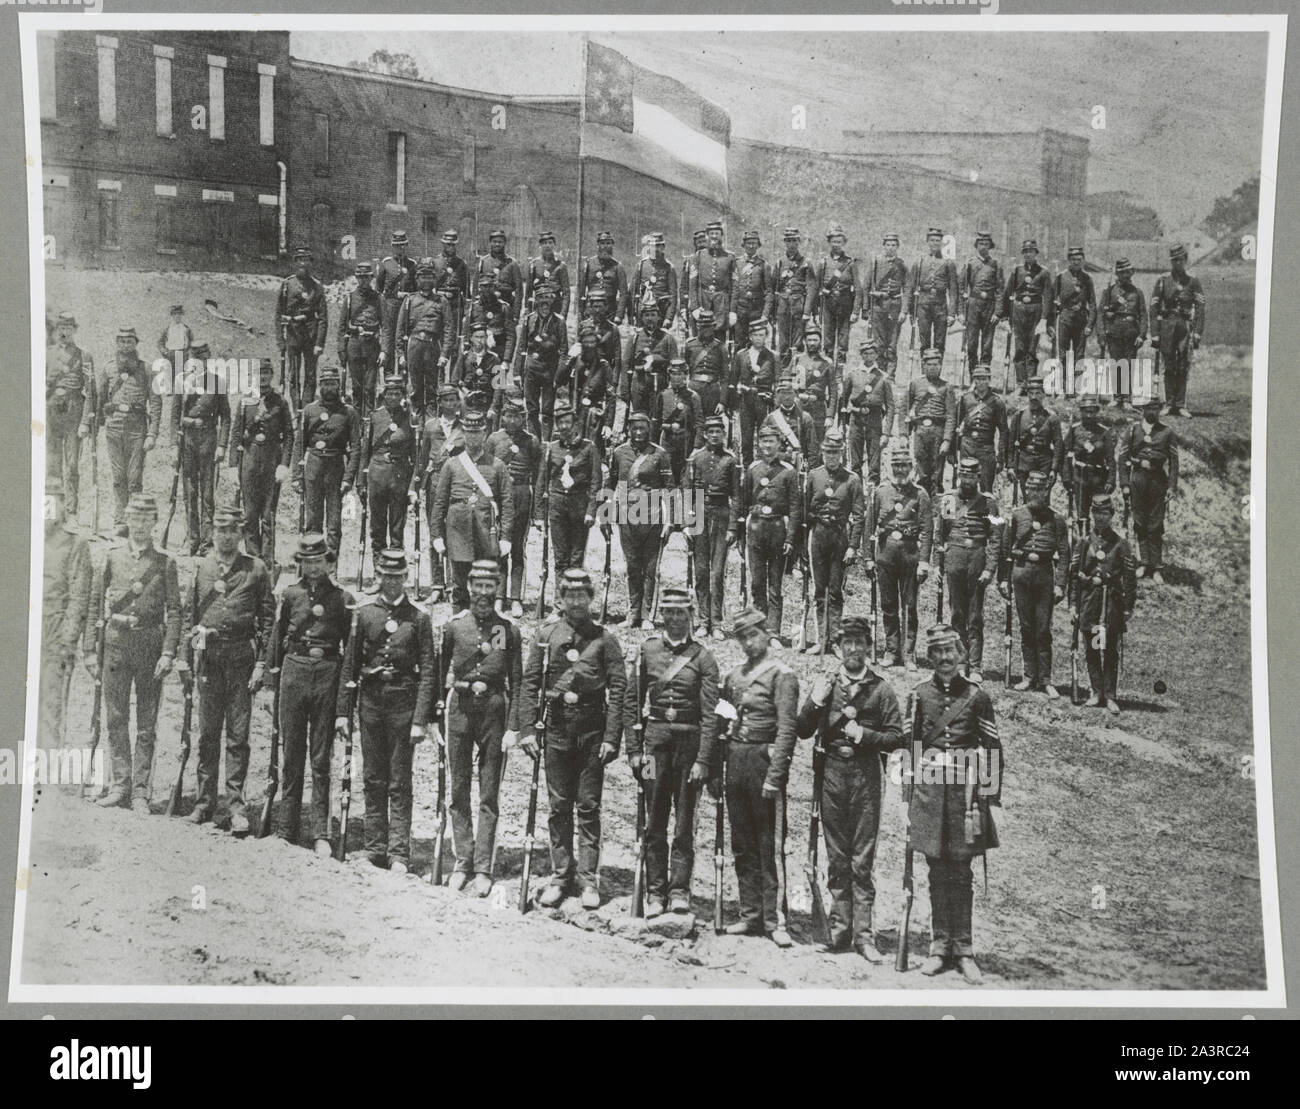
(744, 509)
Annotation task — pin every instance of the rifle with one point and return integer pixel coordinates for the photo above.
(875, 614)
(609, 557)
(362, 537)
(654, 583)
(719, 806)
(546, 553)
(744, 566)
(187, 719)
(1127, 508)
(1006, 364)
(273, 768)
(1074, 636)
(1006, 631)
(353, 688)
(97, 700)
(543, 711)
(1104, 635)
(639, 873)
(441, 709)
(801, 640)
(176, 480)
(782, 909)
(820, 926)
(94, 449)
(905, 925)
(938, 588)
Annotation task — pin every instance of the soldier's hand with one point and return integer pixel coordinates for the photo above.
(635, 763)
(417, 733)
(1155, 342)
(91, 662)
(869, 566)
(922, 571)
(318, 351)
(770, 792)
(943, 450)
(986, 577)
(1004, 591)
(854, 730)
(853, 318)
(504, 545)
(412, 496)
(608, 753)
(162, 668)
(509, 741)
(342, 726)
(731, 539)
(528, 745)
(440, 546)
(83, 432)
(345, 487)
(786, 548)
(1058, 593)
(588, 520)
(281, 472)
(821, 690)
(254, 683)
(850, 556)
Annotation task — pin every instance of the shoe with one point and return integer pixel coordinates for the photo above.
(1023, 686)
(1141, 572)
(1157, 578)
(1183, 412)
(516, 609)
(718, 633)
(679, 903)
(831, 948)
(654, 906)
(140, 807)
(435, 595)
(741, 928)
(482, 885)
(1165, 410)
(782, 938)
(552, 895)
(397, 866)
(868, 950)
(198, 816)
(238, 824)
(1112, 706)
(371, 586)
(322, 849)
(631, 622)
(969, 969)
(911, 660)
(1095, 701)
(458, 881)
(935, 964)
(590, 897)
(380, 861)
(812, 649)
(1050, 690)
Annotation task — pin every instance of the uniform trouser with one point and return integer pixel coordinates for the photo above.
(323, 477)
(130, 660)
(437, 567)
(301, 360)
(308, 691)
(753, 835)
(896, 576)
(517, 558)
(932, 322)
(1090, 482)
(641, 544)
(815, 405)
(980, 322)
(1024, 318)
(950, 907)
(764, 544)
(884, 329)
(1147, 489)
(539, 397)
(1176, 358)
(1122, 345)
(475, 728)
(836, 312)
(387, 488)
(1034, 603)
(361, 356)
(199, 466)
(711, 563)
(1106, 684)
(641, 389)
(575, 780)
(670, 789)
(963, 567)
(386, 712)
(718, 301)
(865, 434)
(1027, 464)
(1068, 333)
(926, 442)
(224, 699)
(56, 665)
(389, 308)
(789, 323)
(851, 823)
(745, 315)
(63, 455)
(259, 495)
(986, 456)
(826, 547)
(569, 530)
(421, 369)
(125, 445)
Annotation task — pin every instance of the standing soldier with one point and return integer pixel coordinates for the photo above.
(1123, 328)
(751, 384)
(519, 449)
(479, 373)
(838, 295)
(441, 435)
(310, 634)
(982, 418)
(1177, 324)
(545, 340)
(1037, 544)
(855, 718)
(888, 295)
(771, 516)
(1034, 439)
(1074, 306)
(794, 289)
(201, 432)
(713, 478)
(982, 287)
(653, 348)
(425, 325)
(605, 273)
(1102, 571)
(451, 279)
(130, 411)
(969, 522)
(706, 359)
(1088, 448)
(677, 420)
(302, 323)
(395, 280)
(483, 659)
(1148, 472)
(1027, 301)
(65, 598)
(359, 337)
(227, 627)
(640, 474)
(798, 434)
(833, 507)
(655, 282)
(815, 382)
(69, 377)
(931, 421)
(473, 507)
(387, 468)
(399, 671)
(587, 380)
(550, 273)
(570, 478)
(494, 313)
(713, 274)
(934, 285)
(577, 666)
(261, 447)
(609, 341)
(690, 287)
(753, 286)
(137, 597)
(507, 278)
(674, 721)
(948, 818)
(866, 397)
(900, 523)
(765, 694)
(327, 448)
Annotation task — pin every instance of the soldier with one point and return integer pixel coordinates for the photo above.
(655, 282)
(130, 410)
(394, 282)
(359, 338)
(577, 666)
(65, 598)
(771, 517)
(483, 656)
(440, 435)
(1177, 324)
(387, 467)
(798, 434)
(480, 374)
(473, 507)
(900, 522)
(956, 778)
(753, 286)
(815, 382)
(765, 694)
(866, 397)
(570, 478)
(201, 433)
(982, 419)
(833, 507)
(1027, 301)
(261, 447)
(137, 597)
(1037, 544)
(931, 421)
(1123, 313)
(1148, 472)
(689, 286)
(519, 449)
(398, 673)
(676, 422)
(675, 720)
(425, 325)
(587, 380)
(609, 340)
(653, 348)
(713, 274)
(604, 273)
(968, 523)
(855, 717)
(550, 273)
(1034, 439)
(751, 385)
(838, 296)
(451, 278)
(1074, 305)
(494, 313)
(794, 291)
(888, 295)
(311, 630)
(69, 409)
(1088, 448)
(1102, 571)
(545, 340)
(327, 448)
(934, 285)
(713, 478)
(640, 474)
(706, 358)
(507, 278)
(227, 625)
(302, 323)
(982, 292)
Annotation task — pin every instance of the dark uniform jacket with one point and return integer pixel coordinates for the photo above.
(126, 394)
(678, 686)
(315, 621)
(1037, 438)
(866, 700)
(937, 277)
(659, 277)
(521, 452)
(302, 312)
(1090, 452)
(900, 519)
(584, 684)
(553, 276)
(835, 500)
(136, 592)
(795, 279)
(608, 275)
(486, 660)
(766, 698)
(980, 418)
(262, 430)
(572, 470)
(677, 419)
(389, 443)
(236, 605)
(970, 523)
(1036, 537)
(327, 430)
(395, 641)
(465, 518)
(932, 404)
(770, 491)
(753, 285)
(1152, 453)
(716, 473)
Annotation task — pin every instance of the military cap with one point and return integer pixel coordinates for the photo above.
(394, 381)
(757, 325)
(400, 238)
(1029, 245)
(868, 346)
(66, 319)
(451, 236)
(363, 269)
(678, 364)
(638, 418)
(983, 237)
(749, 618)
(700, 234)
(835, 232)
(391, 561)
(855, 627)
(303, 252)
(1034, 385)
(657, 239)
(543, 296)
(312, 545)
(1123, 265)
(127, 333)
(604, 238)
(768, 431)
(265, 364)
(833, 439)
(597, 296)
(1177, 251)
(575, 579)
(900, 455)
(474, 420)
(704, 317)
(673, 597)
(650, 306)
(969, 466)
(446, 389)
(488, 279)
(1074, 252)
(941, 635)
(142, 503)
(546, 237)
(478, 328)
(229, 516)
(484, 569)
(53, 485)
(932, 354)
(934, 233)
(812, 331)
(751, 237)
(1101, 502)
(1153, 402)
(587, 330)
(714, 421)
(713, 225)
(790, 234)
(562, 410)
(1036, 480)
(1089, 400)
(890, 237)
(982, 370)
(785, 380)
(327, 373)
(425, 269)
(496, 233)
(516, 404)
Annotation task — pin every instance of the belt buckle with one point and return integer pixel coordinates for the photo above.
(670, 714)
(766, 510)
(927, 423)
(259, 438)
(124, 408)
(895, 535)
(970, 542)
(844, 752)
(316, 652)
(570, 698)
(478, 688)
(1033, 556)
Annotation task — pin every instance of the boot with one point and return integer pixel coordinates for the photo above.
(458, 881)
(933, 965)
(970, 969)
(868, 950)
(482, 885)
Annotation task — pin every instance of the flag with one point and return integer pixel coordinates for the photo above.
(654, 125)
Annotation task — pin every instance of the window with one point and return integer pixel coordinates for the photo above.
(45, 68)
(430, 223)
(361, 219)
(110, 192)
(164, 207)
(162, 77)
(216, 97)
(321, 144)
(266, 103)
(397, 167)
(107, 48)
(471, 168)
(268, 225)
(218, 205)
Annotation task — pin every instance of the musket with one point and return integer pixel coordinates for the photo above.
(353, 689)
(744, 566)
(609, 558)
(820, 925)
(1006, 364)
(1074, 635)
(725, 735)
(875, 614)
(1006, 631)
(778, 823)
(654, 583)
(176, 480)
(905, 925)
(546, 549)
(441, 711)
(97, 700)
(94, 448)
(273, 767)
(543, 711)
(188, 683)
(801, 639)
(1128, 504)
(1103, 631)
(639, 871)
(938, 588)
(362, 537)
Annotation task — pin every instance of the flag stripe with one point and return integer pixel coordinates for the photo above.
(608, 144)
(678, 138)
(687, 105)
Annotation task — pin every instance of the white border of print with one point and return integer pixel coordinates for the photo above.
(1272, 996)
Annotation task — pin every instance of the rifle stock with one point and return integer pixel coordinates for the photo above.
(639, 874)
(442, 709)
(97, 700)
(905, 924)
(273, 767)
(176, 481)
(345, 777)
(543, 711)
(187, 720)
(820, 925)
(719, 836)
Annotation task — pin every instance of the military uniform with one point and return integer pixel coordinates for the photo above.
(652, 351)
(714, 476)
(360, 345)
(1027, 300)
(66, 576)
(838, 298)
(797, 430)
(1074, 306)
(551, 274)
(387, 469)
(69, 377)
(931, 420)
(479, 376)
(1178, 321)
(935, 287)
(1148, 467)
(439, 437)
(606, 275)
(201, 433)
(867, 399)
(261, 442)
(609, 341)
(588, 381)
(751, 385)
(1123, 311)
(130, 412)
(677, 425)
(507, 279)
(1034, 559)
(900, 523)
(887, 295)
(493, 312)
(982, 289)
(1088, 448)
(794, 291)
(521, 453)
(545, 340)
(689, 286)
(712, 278)
(982, 420)
(327, 448)
(752, 283)
(636, 478)
(655, 282)
(707, 363)
(394, 282)
(425, 329)
(965, 528)
(1034, 440)
(817, 387)
(772, 517)
(302, 324)
(1103, 573)
(451, 278)
(833, 508)
(570, 475)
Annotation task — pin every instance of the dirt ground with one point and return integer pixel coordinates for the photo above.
(1129, 855)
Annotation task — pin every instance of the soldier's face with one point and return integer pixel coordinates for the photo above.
(677, 379)
(482, 596)
(854, 649)
(363, 281)
(497, 245)
(837, 244)
(650, 320)
(1030, 258)
(791, 248)
(1125, 277)
(1035, 399)
(449, 249)
(891, 250)
(767, 448)
(513, 419)
(65, 332)
(945, 660)
(1036, 497)
(139, 525)
(543, 308)
(313, 568)
(706, 332)
(677, 621)
(785, 397)
(715, 436)
(902, 471)
(756, 339)
(812, 345)
(225, 537)
(564, 427)
(753, 641)
(393, 399)
(639, 432)
(577, 605)
(751, 248)
(425, 285)
(1101, 518)
(588, 346)
(1089, 415)
(981, 386)
(831, 457)
(474, 441)
(715, 239)
(478, 341)
(302, 269)
(936, 245)
(329, 388)
(605, 250)
(968, 483)
(399, 251)
(392, 584)
(659, 249)
(548, 249)
(125, 346)
(264, 375)
(450, 405)
(933, 370)
(1076, 265)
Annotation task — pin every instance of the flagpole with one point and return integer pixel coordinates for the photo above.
(582, 182)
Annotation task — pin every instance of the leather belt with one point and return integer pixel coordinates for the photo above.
(389, 675)
(844, 752)
(969, 542)
(756, 738)
(425, 335)
(1034, 558)
(713, 500)
(675, 719)
(305, 652)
